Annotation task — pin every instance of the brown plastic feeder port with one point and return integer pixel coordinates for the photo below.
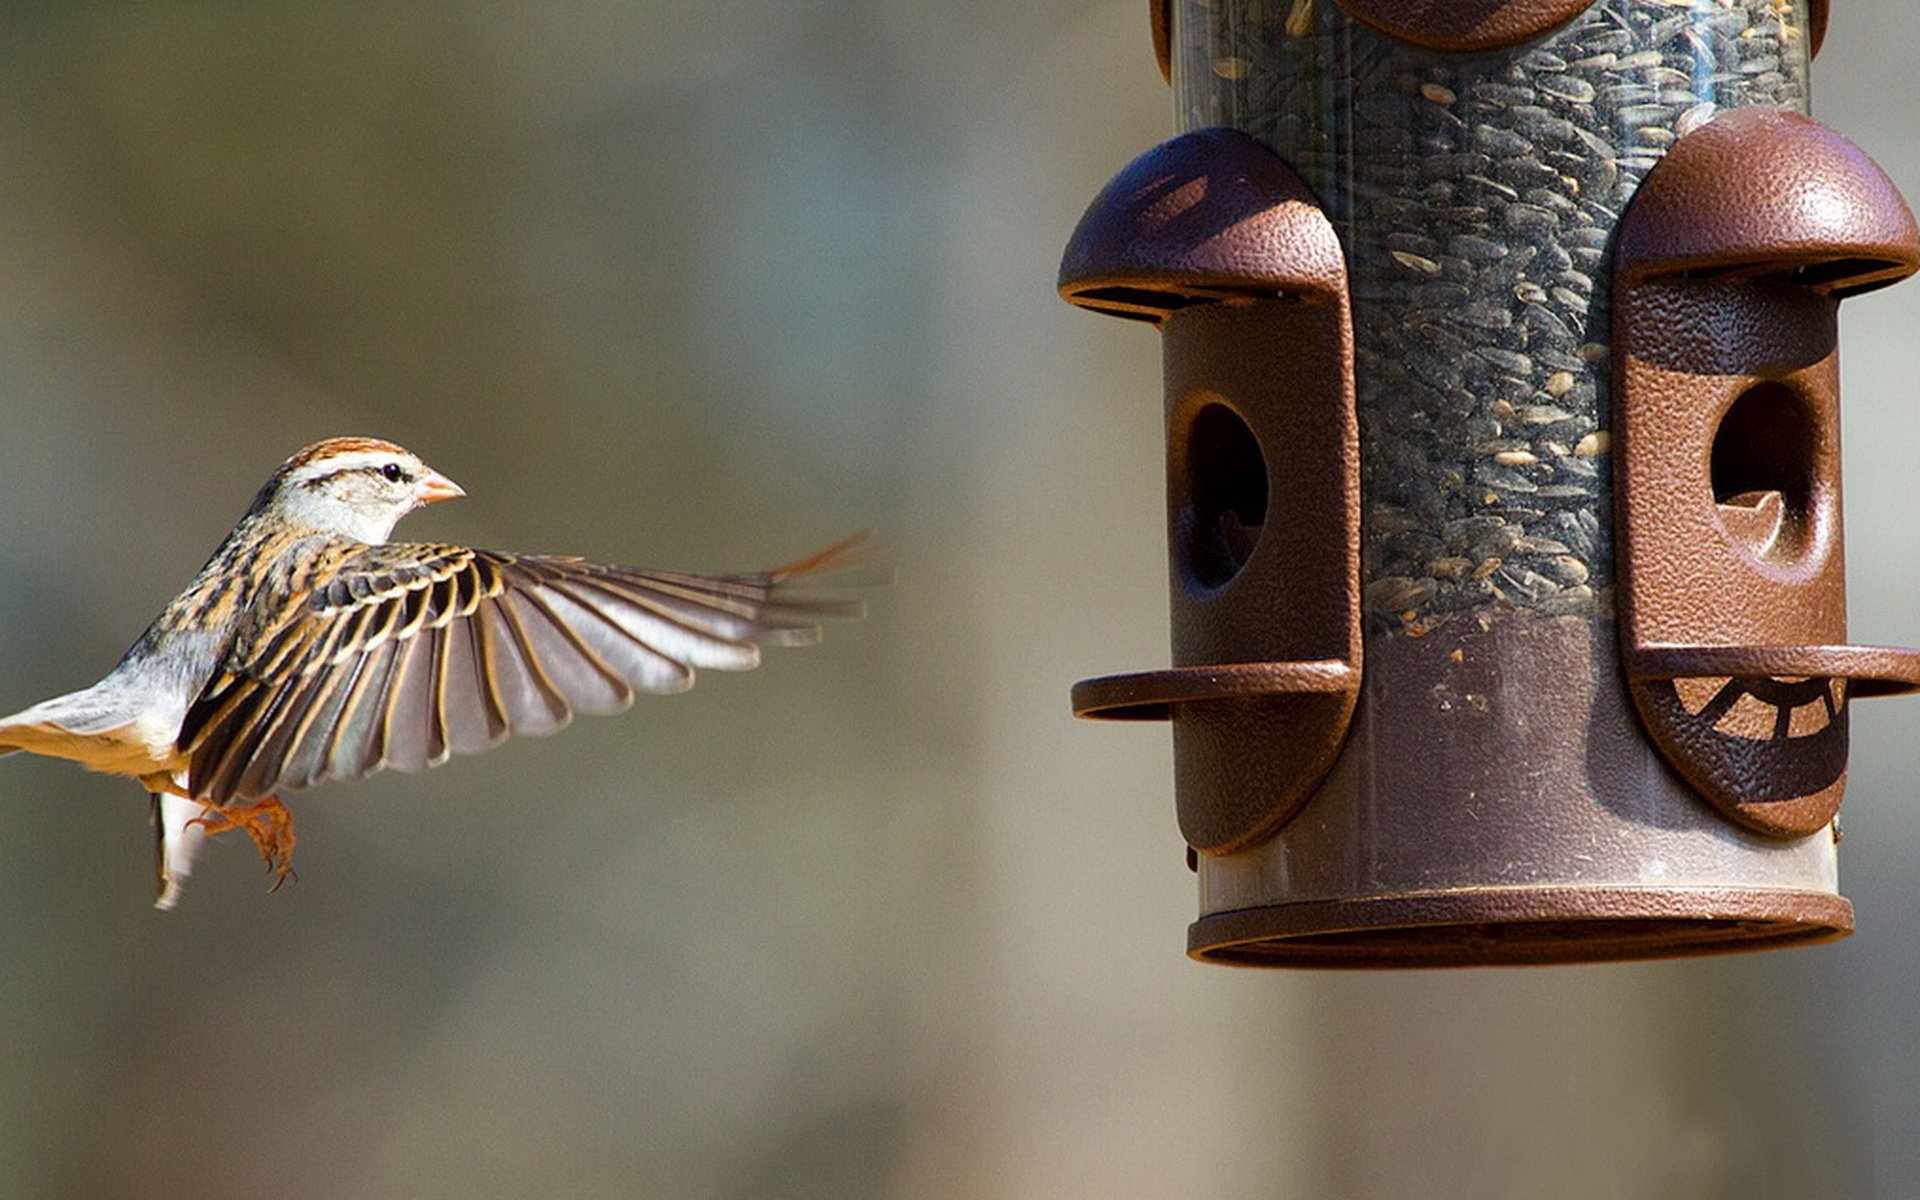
(1467, 25)
(1214, 240)
(1408, 729)
(1731, 266)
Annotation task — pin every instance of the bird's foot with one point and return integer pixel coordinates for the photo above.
(267, 822)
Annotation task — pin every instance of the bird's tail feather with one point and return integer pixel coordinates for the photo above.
(176, 842)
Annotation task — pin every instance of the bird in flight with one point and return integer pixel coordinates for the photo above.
(311, 649)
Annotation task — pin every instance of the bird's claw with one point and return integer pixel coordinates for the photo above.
(267, 822)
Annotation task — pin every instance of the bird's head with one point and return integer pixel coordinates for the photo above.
(353, 487)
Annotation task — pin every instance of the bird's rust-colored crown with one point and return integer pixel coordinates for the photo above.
(339, 445)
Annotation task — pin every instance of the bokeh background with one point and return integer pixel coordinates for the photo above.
(708, 285)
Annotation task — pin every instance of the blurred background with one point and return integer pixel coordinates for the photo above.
(709, 286)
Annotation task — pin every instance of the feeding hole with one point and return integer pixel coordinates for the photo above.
(1763, 472)
(1227, 486)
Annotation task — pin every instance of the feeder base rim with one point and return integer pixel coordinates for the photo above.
(1518, 926)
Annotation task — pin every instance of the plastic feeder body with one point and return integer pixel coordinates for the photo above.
(1503, 474)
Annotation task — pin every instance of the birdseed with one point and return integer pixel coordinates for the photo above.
(1476, 196)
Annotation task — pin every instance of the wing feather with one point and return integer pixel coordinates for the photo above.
(411, 737)
(567, 657)
(533, 703)
(311, 743)
(698, 640)
(646, 667)
(359, 739)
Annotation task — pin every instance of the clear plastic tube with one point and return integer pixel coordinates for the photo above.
(1476, 196)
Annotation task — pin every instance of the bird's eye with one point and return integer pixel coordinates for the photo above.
(394, 473)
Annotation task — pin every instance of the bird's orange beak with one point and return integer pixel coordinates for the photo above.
(435, 486)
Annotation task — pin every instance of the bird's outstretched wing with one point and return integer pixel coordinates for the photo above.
(405, 653)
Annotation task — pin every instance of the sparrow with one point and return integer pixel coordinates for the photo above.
(311, 649)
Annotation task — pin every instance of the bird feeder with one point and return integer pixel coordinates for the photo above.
(1502, 427)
